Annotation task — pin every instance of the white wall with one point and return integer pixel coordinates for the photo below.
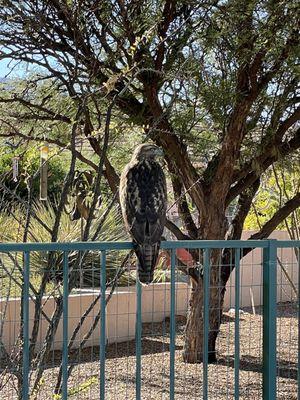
(120, 314)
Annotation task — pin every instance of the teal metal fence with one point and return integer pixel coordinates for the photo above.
(12, 254)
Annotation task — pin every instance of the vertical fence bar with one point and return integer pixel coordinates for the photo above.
(172, 326)
(65, 326)
(25, 371)
(269, 319)
(206, 276)
(138, 340)
(102, 326)
(237, 324)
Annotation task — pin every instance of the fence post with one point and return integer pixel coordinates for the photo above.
(102, 325)
(26, 361)
(206, 282)
(172, 326)
(65, 326)
(269, 319)
(237, 257)
(138, 340)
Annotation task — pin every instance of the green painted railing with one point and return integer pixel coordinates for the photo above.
(269, 249)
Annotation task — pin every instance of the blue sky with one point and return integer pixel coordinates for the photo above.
(20, 71)
(4, 69)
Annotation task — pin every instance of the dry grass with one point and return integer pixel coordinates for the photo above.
(120, 364)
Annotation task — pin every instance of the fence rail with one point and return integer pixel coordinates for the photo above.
(269, 249)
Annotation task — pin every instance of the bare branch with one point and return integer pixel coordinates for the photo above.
(176, 231)
(271, 154)
(244, 205)
(277, 218)
(182, 206)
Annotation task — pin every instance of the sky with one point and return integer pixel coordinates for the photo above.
(20, 71)
(4, 69)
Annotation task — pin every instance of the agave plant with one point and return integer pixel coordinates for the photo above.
(88, 266)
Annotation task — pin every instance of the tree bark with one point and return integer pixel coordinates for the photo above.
(194, 330)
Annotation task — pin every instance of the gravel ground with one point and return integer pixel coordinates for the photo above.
(120, 364)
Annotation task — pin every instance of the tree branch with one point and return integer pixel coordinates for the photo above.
(176, 231)
(168, 15)
(183, 208)
(244, 205)
(50, 141)
(277, 218)
(236, 128)
(271, 154)
(163, 134)
(49, 114)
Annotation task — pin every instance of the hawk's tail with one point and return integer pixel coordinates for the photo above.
(147, 255)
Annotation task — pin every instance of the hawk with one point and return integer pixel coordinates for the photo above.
(143, 198)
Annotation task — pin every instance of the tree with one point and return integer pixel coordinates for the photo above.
(187, 73)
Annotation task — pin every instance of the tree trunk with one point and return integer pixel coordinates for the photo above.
(194, 335)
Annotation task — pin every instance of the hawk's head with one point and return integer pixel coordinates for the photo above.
(147, 151)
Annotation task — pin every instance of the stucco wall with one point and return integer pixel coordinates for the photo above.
(120, 314)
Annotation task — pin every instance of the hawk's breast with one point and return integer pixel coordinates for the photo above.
(146, 187)
(144, 200)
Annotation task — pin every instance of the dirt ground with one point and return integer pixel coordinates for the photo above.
(120, 364)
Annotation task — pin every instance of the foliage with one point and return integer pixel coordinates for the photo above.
(29, 164)
(70, 231)
(280, 184)
(83, 387)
